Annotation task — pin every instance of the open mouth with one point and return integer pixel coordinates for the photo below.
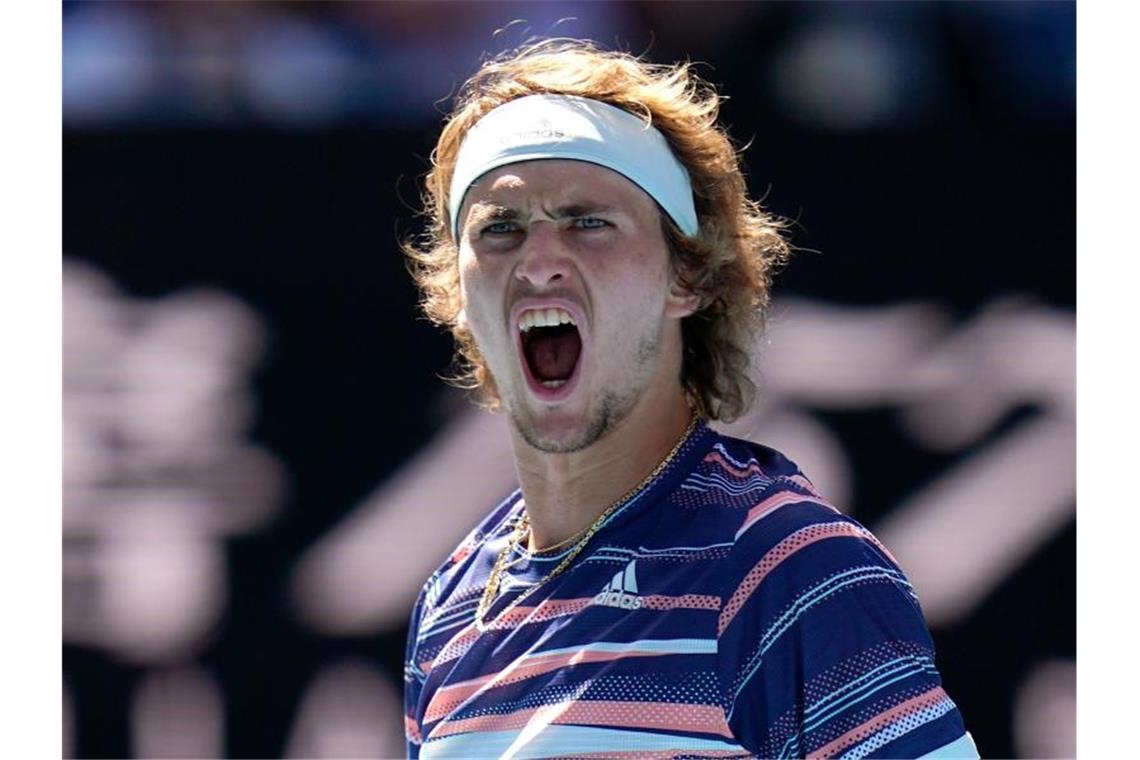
(551, 346)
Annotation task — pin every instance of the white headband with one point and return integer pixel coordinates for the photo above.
(565, 126)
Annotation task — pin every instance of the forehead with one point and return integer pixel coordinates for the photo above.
(557, 181)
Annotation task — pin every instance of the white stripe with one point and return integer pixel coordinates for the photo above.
(440, 629)
(733, 487)
(444, 616)
(724, 452)
(643, 550)
(663, 646)
(562, 740)
(962, 747)
(510, 583)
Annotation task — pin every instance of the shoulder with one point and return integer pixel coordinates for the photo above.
(761, 499)
(820, 634)
(781, 540)
(783, 533)
(733, 471)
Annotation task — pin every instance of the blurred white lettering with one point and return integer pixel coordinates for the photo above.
(350, 710)
(178, 713)
(157, 470)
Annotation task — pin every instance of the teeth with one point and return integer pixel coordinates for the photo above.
(553, 383)
(544, 318)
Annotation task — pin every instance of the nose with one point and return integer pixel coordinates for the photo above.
(543, 258)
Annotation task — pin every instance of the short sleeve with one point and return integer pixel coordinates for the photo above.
(822, 648)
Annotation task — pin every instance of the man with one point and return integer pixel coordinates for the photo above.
(653, 589)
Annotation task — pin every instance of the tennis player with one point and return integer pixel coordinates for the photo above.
(653, 588)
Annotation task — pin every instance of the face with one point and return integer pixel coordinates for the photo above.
(568, 291)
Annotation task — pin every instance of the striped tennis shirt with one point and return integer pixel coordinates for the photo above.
(726, 610)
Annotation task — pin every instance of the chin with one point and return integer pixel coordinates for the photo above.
(554, 433)
(565, 431)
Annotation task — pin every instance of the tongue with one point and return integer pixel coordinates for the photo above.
(553, 352)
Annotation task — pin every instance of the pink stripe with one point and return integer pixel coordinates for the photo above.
(708, 719)
(460, 554)
(861, 732)
(774, 502)
(683, 602)
(450, 697)
(752, 469)
(773, 557)
(654, 754)
(545, 610)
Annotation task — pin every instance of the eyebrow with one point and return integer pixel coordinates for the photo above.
(581, 209)
(485, 212)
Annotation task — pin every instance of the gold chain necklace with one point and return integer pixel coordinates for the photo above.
(552, 547)
(522, 525)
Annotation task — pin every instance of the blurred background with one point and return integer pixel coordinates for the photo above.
(253, 420)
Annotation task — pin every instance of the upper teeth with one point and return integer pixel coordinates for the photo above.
(544, 318)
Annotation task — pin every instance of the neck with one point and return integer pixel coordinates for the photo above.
(566, 493)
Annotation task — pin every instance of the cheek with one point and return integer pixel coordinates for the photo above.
(639, 286)
(466, 291)
(470, 276)
(477, 294)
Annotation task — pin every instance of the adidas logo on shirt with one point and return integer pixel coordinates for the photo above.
(621, 592)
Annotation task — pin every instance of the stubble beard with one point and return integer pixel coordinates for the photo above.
(613, 407)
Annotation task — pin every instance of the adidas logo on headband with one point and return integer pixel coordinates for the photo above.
(533, 135)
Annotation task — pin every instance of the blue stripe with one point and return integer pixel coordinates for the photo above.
(829, 586)
(870, 675)
(855, 698)
(803, 603)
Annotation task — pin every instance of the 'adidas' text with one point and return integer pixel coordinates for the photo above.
(621, 592)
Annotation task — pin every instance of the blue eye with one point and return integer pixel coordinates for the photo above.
(499, 228)
(591, 222)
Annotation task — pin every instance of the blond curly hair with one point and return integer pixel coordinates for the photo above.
(729, 264)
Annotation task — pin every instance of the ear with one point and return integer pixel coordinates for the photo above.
(681, 302)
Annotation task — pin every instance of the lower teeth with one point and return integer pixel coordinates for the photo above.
(553, 383)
